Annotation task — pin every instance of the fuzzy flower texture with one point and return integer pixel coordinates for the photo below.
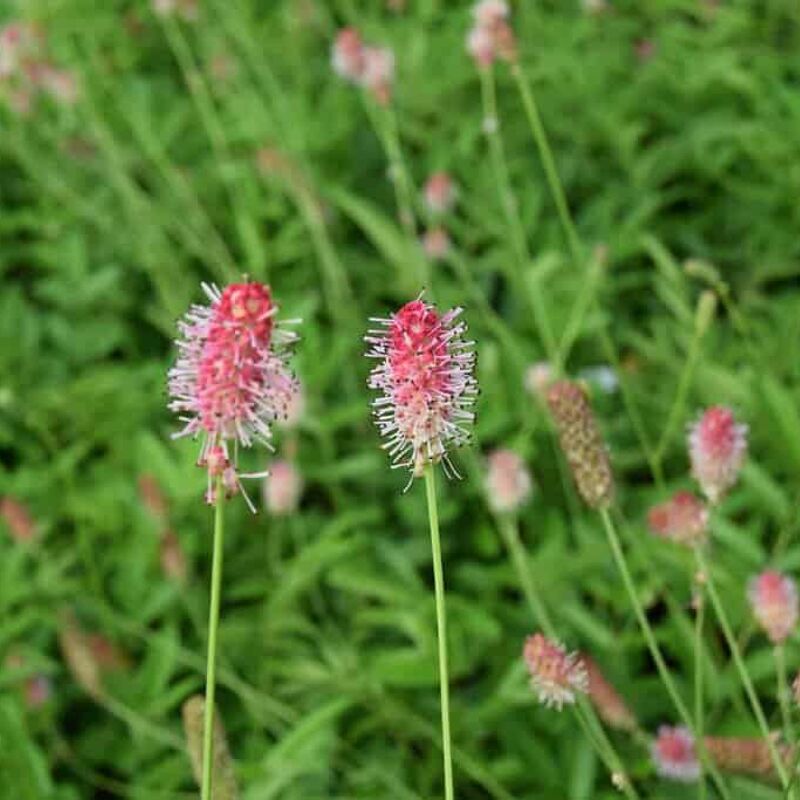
(773, 597)
(557, 676)
(231, 381)
(717, 449)
(425, 377)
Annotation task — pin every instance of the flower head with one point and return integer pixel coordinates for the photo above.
(491, 36)
(674, 754)
(282, 488)
(18, 519)
(378, 73)
(489, 12)
(508, 481)
(581, 442)
(610, 706)
(747, 756)
(230, 381)
(347, 55)
(436, 243)
(773, 597)
(538, 377)
(556, 675)
(425, 376)
(440, 193)
(717, 448)
(682, 519)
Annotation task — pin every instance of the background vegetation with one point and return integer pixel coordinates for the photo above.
(204, 149)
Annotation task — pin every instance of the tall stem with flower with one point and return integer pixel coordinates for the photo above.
(229, 383)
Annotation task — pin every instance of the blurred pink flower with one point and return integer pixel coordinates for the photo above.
(717, 449)
(682, 519)
(440, 193)
(508, 482)
(282, 488)
(773, 598)
(674, 755)
(557, 677)
(436, 243)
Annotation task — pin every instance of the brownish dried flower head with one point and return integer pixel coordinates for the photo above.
(224, 779)
(746, 756)
(582, 443)
(610, 706)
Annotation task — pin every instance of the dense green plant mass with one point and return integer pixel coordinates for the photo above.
(211, 148)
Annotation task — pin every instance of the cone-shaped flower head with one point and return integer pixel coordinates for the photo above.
(773, 597)
(230, 381)
(347, 54)
(556, 675)
(440, 193)
(582, 443)
(425, 377)
(746, 756)
(508, 481)
(674, 754)
(608, 702)
(682, 519)
(717, 448)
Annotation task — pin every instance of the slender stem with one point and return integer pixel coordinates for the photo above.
(441, 624)
(655, 650)
(213, 624)
(607, 754)
(509, 529)
(758, 711)
(783, 692)
(698, 679)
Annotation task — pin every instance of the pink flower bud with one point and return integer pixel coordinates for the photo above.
(439, 193)
(556, 676)
(673, 754)
(487, 13)
(436, 243)
(282, 488)
(717, 448)
(508, 482)
(347, 55)
(610, 706)
(426, 381)
(538, 378)
(480, 45)
(378, 73)
(682, 519)
(773, 597)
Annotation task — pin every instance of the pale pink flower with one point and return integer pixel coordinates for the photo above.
(18, 519)
(508, 482)
(347, 55)
(480, 45)
(773, 597)
(717, 449)
(682, 519)
(674, 755)
(231, 381)
(557, 677)
(378, 73)
(426, 383)
(436, 243)
(187, 9)
(538, 378)
(282, 488)
(440, 193)
(489, 12)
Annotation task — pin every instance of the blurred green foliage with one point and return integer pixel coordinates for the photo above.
(202, 150)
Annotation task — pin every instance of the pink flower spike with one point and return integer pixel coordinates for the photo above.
(230, 381)
(426, 381)
(282, 488)
(717, 449)
(436, 243)
(440, 193)
(489, 12)
(347, 55)
(508, 482)
(480, 45)
(773, 597)
(674, 755)
(682, 519)
(556, 676)
(378, 73)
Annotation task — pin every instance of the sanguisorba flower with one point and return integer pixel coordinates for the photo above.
(773, 597)
(717, 449)
(282, 488)
(557, 677)
(508, 481)
(674, 754)
(682, 519)
(231, 380)
(427, 386)
(608, 702)
(440, 193)
(582, 443)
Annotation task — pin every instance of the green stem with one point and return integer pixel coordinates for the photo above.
(698, 680)
(783, 692)
(510, 532)
(441, 624)
(655, 650)
(213, 624)
(727, 631)
(607, 754)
